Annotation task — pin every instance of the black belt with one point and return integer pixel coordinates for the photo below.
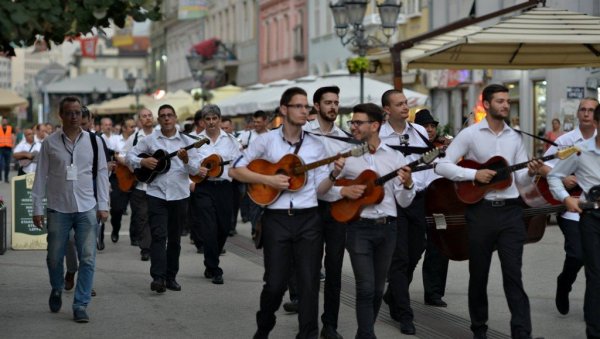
(501, 203)
(382, 220)
(216, 182)
(292, 211)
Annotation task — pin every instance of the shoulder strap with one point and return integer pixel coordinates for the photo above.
(94, 162)
(135, 139)
(345, 139)
(190, 136)
(427, 142)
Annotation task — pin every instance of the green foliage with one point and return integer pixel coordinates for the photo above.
(24, 21)
(358, 64)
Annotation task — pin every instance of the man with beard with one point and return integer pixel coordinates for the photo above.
(291, 226)
(371, 239)
(496, 221)
(326, 103)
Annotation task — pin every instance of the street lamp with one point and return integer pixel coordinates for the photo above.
(131, 80)
(208, 77)
(349, 15)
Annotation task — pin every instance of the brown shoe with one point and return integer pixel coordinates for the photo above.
(69, 281)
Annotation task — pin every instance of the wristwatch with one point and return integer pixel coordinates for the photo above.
(412, 184)
(332, 177)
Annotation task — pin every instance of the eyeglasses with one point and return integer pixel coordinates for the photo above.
(357, 123)
(168, 115)
(299, 106)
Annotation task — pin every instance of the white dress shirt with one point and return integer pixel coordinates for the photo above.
(226, 146)
(391, 137)
(272, 146)
(139, 135)
(586, 167)
(174, 184)
(385, 160)
(479, 143)
(24, 146)
(568, 139)
(69, 196)
(112, 142)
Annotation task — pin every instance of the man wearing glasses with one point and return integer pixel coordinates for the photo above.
(167, 196)
(569, 221)
(291, 226)
(64, 176)
(410, 242)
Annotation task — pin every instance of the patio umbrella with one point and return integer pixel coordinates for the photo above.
(10, 99)
(540, 38)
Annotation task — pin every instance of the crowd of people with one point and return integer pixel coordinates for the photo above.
(76, 170)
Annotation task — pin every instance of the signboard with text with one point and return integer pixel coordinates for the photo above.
(25, 236)
(575, 92)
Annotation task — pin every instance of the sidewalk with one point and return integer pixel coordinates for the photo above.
(126, 308)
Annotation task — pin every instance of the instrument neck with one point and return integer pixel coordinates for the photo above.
(313, 165)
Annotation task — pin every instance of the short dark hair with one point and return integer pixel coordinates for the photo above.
(197, 116)
(226, 119)
(85, 112)
(374, 112)
(260, 114)
(322, 90)
(492, 89)
(66, 99)
(166, 106)
(597, 114)
(385, 98)
(289, 93)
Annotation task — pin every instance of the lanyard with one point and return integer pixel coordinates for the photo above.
(74, 144)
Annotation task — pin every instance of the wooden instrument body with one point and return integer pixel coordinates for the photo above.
(147, 175)
(125, 178)
(214, 164)
(471, 192)
(347, 210)
(263, 194)
(453, 240)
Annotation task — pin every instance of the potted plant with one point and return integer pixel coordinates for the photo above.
(357, 65)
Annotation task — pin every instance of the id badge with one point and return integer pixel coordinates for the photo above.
(72, 172)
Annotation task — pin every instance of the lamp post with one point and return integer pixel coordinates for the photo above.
(349, 15)
(131, 80)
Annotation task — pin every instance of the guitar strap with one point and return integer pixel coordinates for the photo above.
(135, 139)
(191, 136)
(535, 137)
(425, 139)
(408, 150)
(299, 144)
(344, 139)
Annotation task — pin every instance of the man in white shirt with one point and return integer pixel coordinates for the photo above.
(211, 200)
(73, 176)
(167, 196)
(496, 221)
(26, 151)
(371, 239)
(569, 221)
(111, 139)
(586, 168)
(291, 225)
(410, 244)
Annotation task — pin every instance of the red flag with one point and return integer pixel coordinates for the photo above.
(88, 47)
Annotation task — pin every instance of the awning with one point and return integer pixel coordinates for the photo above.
(87, 83)
(540, 38)
(206, 48)
(10, 99)
(121, 105)
(182, 101)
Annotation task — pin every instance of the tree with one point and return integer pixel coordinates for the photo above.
(24, 21)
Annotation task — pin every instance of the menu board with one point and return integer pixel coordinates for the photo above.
(25, 236)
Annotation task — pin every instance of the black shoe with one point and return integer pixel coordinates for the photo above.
(69, 281)
(208, 274)
(173, 285)
(145, 256)
(114, 236)
(158, 285)
(291, 306)
(232, 233)
(329, 332)
(562, 296)
(387, 298)
(100, 242)
(218, 279)
(482, 335)
(80, 316)
(436, 302)
(55, 301)
(408, 327)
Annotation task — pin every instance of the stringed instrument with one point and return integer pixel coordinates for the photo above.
(147, 175)
(447, 225)
(347, 210)
(125, 178)
(471, 192)
(215, 165)
(292, 166)
(538, 193)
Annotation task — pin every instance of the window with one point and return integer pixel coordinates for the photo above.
(411, 7)
(299, 38)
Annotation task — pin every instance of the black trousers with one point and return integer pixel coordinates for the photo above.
(139, 227)
(334, 236)
(589, 225)
(211, 208)
(237, 189)
(296, 237)
(118, 205)
(500, 228)
(410, 244)
(435, 272)
(165, 218)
